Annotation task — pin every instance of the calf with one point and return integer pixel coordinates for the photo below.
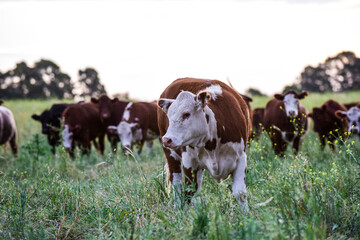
(327, 125)
(139, 125)
(285, 120)
(82, 124)
(50, 122)
(257, 122)
(111, 112)
(204, 124)
(8, 132)
(352, 117)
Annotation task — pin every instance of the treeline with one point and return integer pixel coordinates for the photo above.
(337, 74)
(46, 80)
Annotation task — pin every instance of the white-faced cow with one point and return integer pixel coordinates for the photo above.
(139, 125)
(327, 125)
(353, 118)
(111, 113)
(204, 124)
(50, 123)
(8, 132)
(82, 124)
(286, 121)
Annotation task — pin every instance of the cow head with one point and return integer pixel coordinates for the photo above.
(68, 135)
(353, 117)
(291, 102)
(46, 121)
(128, 133)
(105, 105)
(187, 119)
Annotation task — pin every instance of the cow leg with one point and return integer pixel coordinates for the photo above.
(296, 144)
(140, 146)
(193, 178)
(101, 139)
(239, 185)
(149, 145)
(174, 175)
(322, 138)
(278, 143)
(13, 145)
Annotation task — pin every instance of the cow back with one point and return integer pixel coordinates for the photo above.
(7, 125)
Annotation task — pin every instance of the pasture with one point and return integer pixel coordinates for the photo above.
(314, 195)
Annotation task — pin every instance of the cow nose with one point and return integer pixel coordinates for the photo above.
(292, 113)
(167, 142)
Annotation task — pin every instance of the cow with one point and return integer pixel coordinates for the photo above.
(50, 123)
(82, 124)
(350, 105)
(139, 125)
(286, 121)
(352, 117)
(111, 113)
(257, 122)
(327, 125)
(204, 124)
(8, 132)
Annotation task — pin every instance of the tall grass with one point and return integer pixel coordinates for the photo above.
(314, 195)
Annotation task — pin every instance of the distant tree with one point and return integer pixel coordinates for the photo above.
(291, 87)
(44, 80)
(254, 92)
(89, 83)
(339, 73)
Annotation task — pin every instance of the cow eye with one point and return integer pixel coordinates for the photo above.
(185, 115)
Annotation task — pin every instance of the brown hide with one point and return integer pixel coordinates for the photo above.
(8, 132)
(325, 121)
(85, 123)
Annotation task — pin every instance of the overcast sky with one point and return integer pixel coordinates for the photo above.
(140, 47)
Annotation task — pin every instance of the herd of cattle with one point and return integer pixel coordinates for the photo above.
(202, 124)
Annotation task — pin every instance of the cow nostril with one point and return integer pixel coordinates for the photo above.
(167, 141)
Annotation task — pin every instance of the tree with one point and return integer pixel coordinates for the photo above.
(254, 92)
(89, 83)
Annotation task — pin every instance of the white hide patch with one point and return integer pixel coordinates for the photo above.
(193, 130)
(67, 137)
(353, 116)
(126, 135)
(220, 162)
(214, 90)
(126, 114)
(291, 104)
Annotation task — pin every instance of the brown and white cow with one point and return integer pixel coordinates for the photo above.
(139, 124)
(8, 132)
(204, 124)
(327, 125)
(352, 116)
(111, 113)
(285, 120)
(257, 122)
(82, 124)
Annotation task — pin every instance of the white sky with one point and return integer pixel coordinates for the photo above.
(140, 47)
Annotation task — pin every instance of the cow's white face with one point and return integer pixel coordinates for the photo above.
(129, 133)
(187, 119)
(291, 105)
(353, 117)
(67, 137)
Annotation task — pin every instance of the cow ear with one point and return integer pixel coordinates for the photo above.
(323, 108)
(35, 117)
(165, 103)
(310, 115)
(340, 114)
(279, 97)
(203, 97)
(94, 100)
(112, 129)
(303, 94)
(1, 101)
(114, 100)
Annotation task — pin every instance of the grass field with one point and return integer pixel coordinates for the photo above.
(314, 195)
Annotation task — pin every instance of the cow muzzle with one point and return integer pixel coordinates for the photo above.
(292, 114)
(167, 142)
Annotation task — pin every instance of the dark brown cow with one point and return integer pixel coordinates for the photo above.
(82, 124)
(285, 120)
(8, 132)
(257, 122)
(204, 124)
(139, 125)
(111, 112)
(327, 125)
